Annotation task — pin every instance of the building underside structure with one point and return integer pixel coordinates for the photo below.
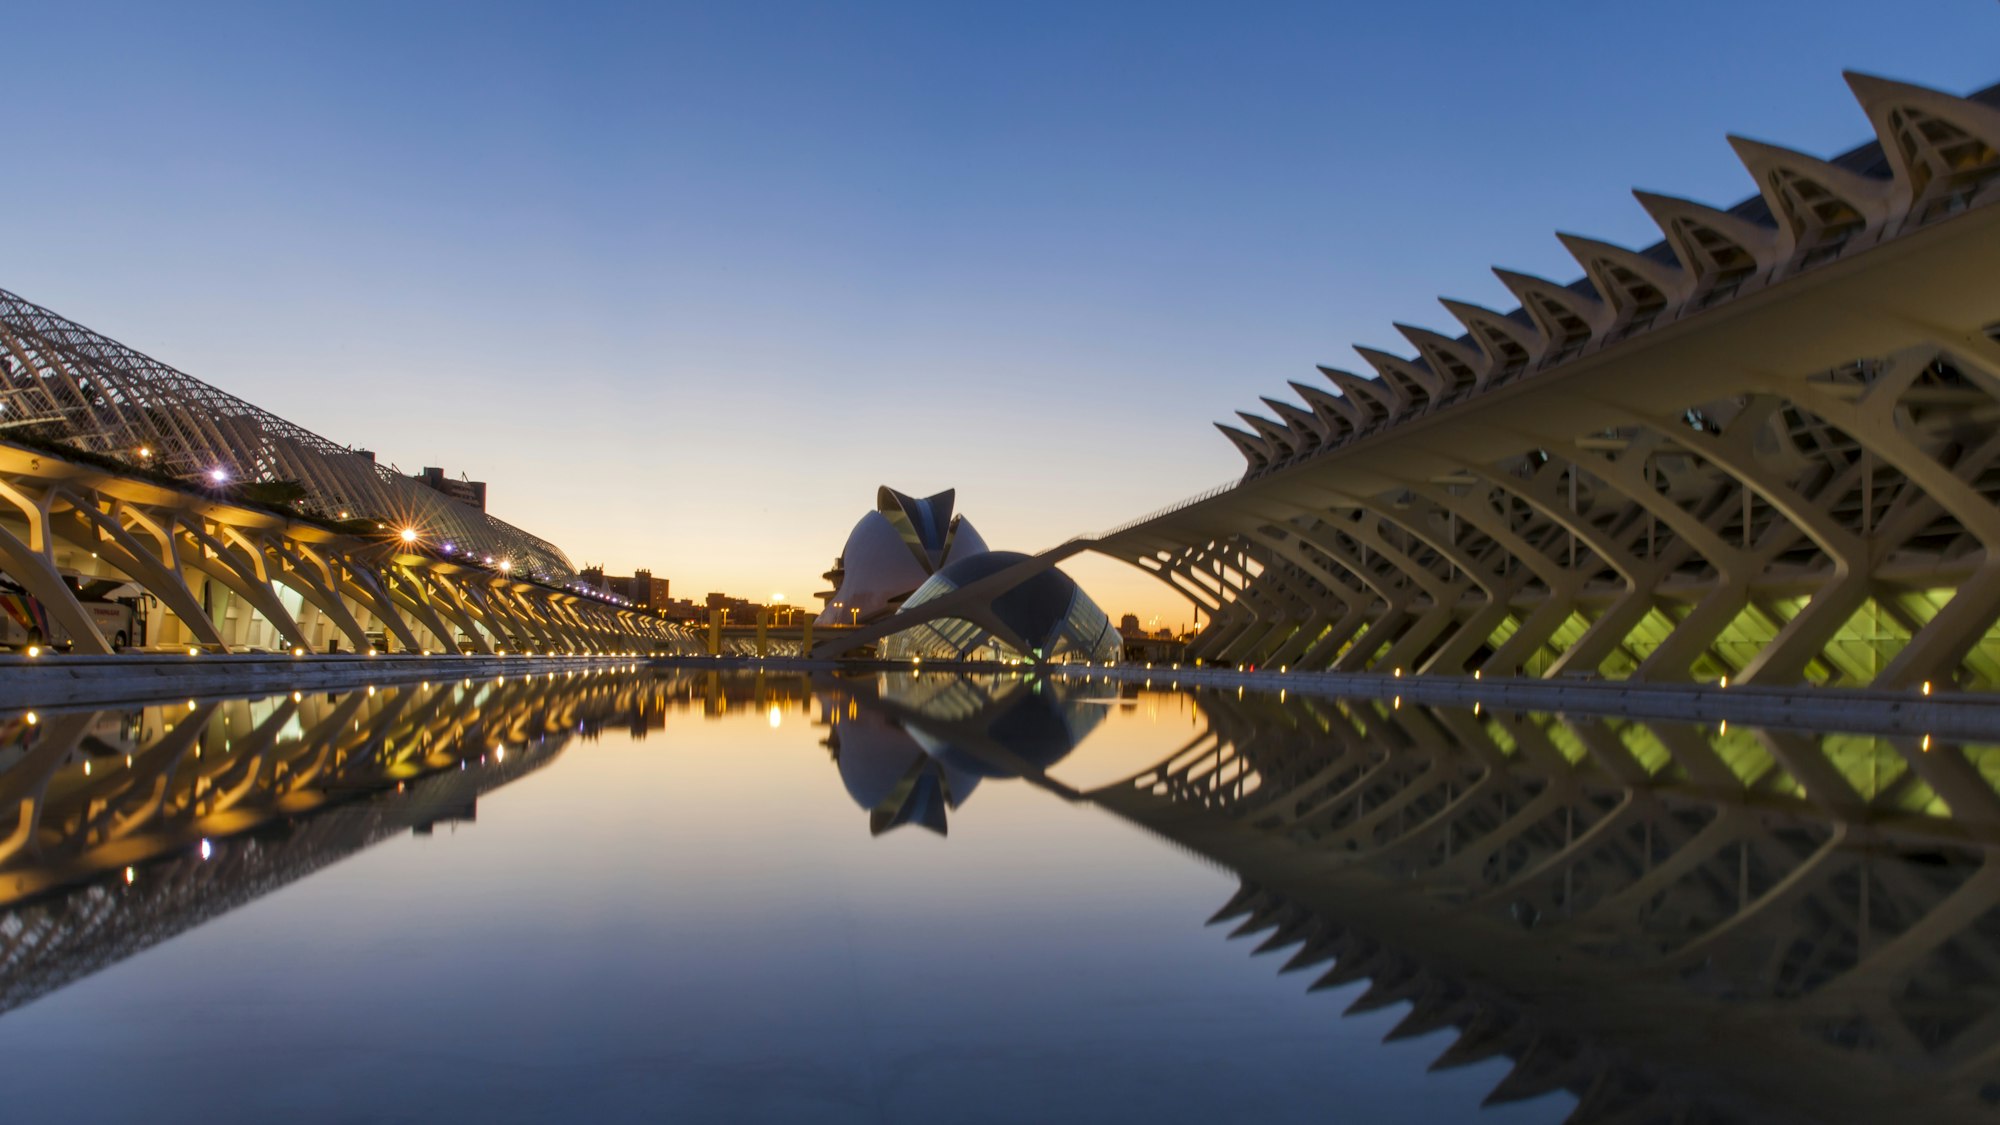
(1670, 922)
(1764, 448)
(246, 532)
(285, 786)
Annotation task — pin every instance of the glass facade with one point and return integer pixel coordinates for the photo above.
(1045, 619)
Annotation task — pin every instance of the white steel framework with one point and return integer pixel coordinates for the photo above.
(1763, 448)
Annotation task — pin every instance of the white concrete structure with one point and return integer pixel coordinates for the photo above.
(1763, 448)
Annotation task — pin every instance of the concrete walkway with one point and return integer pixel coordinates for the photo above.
(69, 681)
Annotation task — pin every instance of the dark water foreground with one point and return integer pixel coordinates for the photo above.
(612, 896)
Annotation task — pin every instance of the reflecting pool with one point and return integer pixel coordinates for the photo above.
(652, 895)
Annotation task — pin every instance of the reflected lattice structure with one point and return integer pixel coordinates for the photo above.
(1763, 447)
(232, 800)
(1672, 923)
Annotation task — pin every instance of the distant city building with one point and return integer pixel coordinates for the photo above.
(682, 609)
(472, 492)
(1128, 626)
(640, 587)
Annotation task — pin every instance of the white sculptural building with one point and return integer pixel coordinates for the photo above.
(908, 552)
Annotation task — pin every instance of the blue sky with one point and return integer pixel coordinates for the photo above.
(685, 283)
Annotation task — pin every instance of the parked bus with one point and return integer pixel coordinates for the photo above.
(114, 607)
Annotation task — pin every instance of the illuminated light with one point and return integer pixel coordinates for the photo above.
(1927, 687)
(1475, 673)
(1399, 673)
(777, 717)
(190, 704)
(218, 474)
(1398, 704)
(1724, 682)
(371, 652)
(1283, 668)
(1723, 728)
(499, 753)
(506, 565)
(1927, 744)
(192, 651)
(1475, 707)
(145, 451)
(206, 849)
(409, 535)
(371, 689)
(33, 718)
(86, 769)
(129, 876)
(298, 652)
(128, 761)
(34, 650)
(298, 697)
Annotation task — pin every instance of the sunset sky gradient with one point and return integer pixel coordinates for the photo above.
(686, 283)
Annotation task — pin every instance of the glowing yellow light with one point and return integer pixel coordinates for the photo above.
(1927, 687)
(129, 876)
(499, 753)
(298, 652)
(190, 704)
(409, 535)
(777, 717)
(1927, 743)
(1724, 682)
(33, 718)
(86, 769)
(192, 651)
(34, 650)
(1723, 728)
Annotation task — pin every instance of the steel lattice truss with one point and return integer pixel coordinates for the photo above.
(63, 382)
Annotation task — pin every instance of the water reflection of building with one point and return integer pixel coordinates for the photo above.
(1671, 923)
(910, 748)
(133, 826)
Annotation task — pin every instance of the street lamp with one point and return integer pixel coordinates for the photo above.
(409, 535)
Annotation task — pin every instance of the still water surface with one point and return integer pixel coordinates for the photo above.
(646, 896)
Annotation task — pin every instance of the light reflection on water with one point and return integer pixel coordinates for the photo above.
(893, 897)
